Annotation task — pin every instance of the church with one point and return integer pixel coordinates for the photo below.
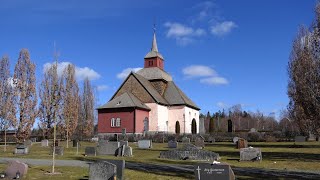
(148, 101)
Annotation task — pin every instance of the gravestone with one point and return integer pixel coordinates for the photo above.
(235, 140)
(242, 143)
(185, 140)
(219, 171)
(124, 151)
(172, 144)
(124, 143)
(90, 151)
(252, 130)
(14, 167)
(211, 139)
(300, 139)
(229, 125)
(199, 142)
(21, 149)
(45, 143)
(108, 149)
(102, 170)
(27, 142)
(145, 144)
(75, 143)
(250, 154)
(58, 150)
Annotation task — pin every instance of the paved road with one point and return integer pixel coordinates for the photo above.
(179, 170)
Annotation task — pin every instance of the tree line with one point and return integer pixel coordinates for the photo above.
(61, 101)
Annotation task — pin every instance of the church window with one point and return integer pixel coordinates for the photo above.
(118, 122)
(113, 122)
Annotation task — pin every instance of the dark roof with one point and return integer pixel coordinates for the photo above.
(152, 73)
(175, 96)
(125, 100)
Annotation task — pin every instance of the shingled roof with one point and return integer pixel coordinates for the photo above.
(152, 73)
(126, 99)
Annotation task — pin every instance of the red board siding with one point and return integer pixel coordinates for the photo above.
(140, 116)
(105, 116)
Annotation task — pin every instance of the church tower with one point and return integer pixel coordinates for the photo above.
(154, 58)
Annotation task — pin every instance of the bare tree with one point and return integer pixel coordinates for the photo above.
(25, 95)
(87, 108)
(7, 108)
(50, 92)
(70, 102)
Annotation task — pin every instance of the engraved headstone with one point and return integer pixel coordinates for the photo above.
(242, 143)
(172, 144)
(124, 151)
(14, 167)
(145, 144)
(21, 149)
(90, 151)
(207, 171)
(45, 143)
(102, 170)
(250, 154)
(108, 148)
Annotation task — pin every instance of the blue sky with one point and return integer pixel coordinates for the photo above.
(220, 52)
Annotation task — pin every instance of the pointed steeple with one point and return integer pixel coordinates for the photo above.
(154, 41)
(154, 58)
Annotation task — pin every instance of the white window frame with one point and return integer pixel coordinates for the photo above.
(118, 122)
(113, 122)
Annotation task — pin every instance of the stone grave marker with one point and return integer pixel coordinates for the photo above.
(58, 150)
(21, 149)
(199, 142)
(145, 144)
(217, 171)
(250, 154)
(90, 151)
(108, 149)
(300, 139)
(242, 143)
(102, 170)
(124, 143)
(120, 164)
(124, 151)
(27, 142)
(45, 143)
(172, 144)
(75, 142)
(235, 140)
(14, 167)
(186, 140)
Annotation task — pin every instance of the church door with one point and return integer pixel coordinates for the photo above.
(194, 126)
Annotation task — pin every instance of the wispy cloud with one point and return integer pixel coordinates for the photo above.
(204, 11)
(126, 72)
(183, 34)
(102, 87)
(207, 74)
(81, 72)
(223, 28)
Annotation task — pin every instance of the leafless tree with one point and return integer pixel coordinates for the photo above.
(24, 95)
(7, 108)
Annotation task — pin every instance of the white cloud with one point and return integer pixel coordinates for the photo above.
(223, 28)
(221, 105)
(214, 81)
(198, 71)
(102, 87)
(126, 72)
(205, 9)
(81, 72)
(183, 34)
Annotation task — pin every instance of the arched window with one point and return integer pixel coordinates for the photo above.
(113, 123)
(118, 122)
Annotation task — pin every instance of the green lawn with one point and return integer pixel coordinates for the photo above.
(275, 156)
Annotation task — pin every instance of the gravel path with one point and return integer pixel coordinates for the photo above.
(179, 170)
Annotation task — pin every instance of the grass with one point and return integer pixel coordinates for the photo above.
(277, 155)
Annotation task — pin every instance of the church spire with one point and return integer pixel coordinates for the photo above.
(154, 40)
(154, 58)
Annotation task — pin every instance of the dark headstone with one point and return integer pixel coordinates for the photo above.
(145, 144)
(21, 149)
(172, 144)
(242, 143)
(300, 139)
(75, 143)
(250, 154)
(102, 170)
(14, 167)
(199, 142)
(58, 150)
(108, 148)
(90, 151)
(207, 171)
(229, 125)
(45, 143)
